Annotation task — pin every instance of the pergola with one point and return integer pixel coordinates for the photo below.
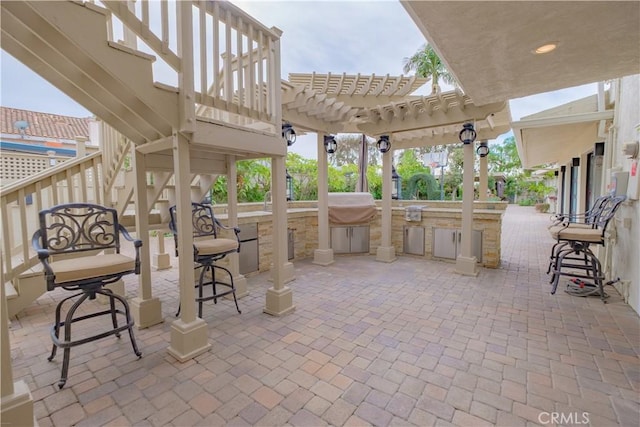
(384, 105)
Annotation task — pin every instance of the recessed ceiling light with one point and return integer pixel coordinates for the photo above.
(545, 48)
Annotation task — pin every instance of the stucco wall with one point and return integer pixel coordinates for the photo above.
(626, 249)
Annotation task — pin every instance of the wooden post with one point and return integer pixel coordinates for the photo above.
(279, 299)
(146, 310)
(324, 254)
(386, 251)
(466, 262)
(189, 334)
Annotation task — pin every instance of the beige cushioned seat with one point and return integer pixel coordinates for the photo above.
(571, 224)
(215, 246)
(70, 270)
(555, 229)
(590, 235)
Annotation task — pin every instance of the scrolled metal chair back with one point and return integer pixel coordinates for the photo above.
(608, 211)
(78, 227)
(204, 223)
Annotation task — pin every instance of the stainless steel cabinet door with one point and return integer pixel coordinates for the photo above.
(445, 242)
(360, 239)
(413, 240)
(340, 240)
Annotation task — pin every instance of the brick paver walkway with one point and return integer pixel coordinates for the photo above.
(406, 343)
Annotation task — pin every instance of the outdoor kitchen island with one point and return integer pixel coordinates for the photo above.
(437, 230)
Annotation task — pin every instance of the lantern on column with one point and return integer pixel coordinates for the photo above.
(289, 186)
(396, 188)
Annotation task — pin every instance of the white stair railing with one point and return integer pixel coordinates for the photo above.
(236, 59)
(76, 180)
(87, 179)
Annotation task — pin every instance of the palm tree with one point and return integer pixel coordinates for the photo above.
(427, 63)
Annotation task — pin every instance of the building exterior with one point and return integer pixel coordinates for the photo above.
(33, 141)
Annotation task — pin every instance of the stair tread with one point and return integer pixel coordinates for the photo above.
(132, 51)
(9, 291)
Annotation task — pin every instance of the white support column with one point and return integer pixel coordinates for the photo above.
(189, 334)
(146, 310)
(484, 179)
(386, 251)
(324, 254)
(466, 262)
(239, 280)
(279, 299)
(16, 404)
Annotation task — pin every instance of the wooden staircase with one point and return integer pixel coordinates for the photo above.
(68, 43)
(223, 96)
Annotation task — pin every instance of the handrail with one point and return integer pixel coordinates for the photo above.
(10, 190)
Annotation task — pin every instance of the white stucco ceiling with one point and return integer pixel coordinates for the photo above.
(488, 45)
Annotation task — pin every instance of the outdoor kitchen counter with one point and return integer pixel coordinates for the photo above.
(303, 222)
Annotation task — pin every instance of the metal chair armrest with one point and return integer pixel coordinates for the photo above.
(137, 244)
(43, 256)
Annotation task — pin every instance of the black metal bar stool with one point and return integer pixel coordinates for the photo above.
(576, 259)
(79, 247)
(208, 248)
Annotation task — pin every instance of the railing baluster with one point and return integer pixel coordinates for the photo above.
(38, 198)
(164, 12)
(204, 89)
(260, 71)
(54, 190)
(239, 61)
(228, 74)
(83, 183)
(251, 89)
(97, 194)
(216, 50)
(6, 240)
(24, 232)
(69, 179)
(145, 13)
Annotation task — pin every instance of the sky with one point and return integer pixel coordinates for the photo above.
(323, 36)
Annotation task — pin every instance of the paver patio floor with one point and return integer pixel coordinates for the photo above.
(405, 343)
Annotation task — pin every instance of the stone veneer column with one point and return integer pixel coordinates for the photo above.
(324, 254)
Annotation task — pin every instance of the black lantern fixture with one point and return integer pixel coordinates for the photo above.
(483, 149)
(384, 144)
(396, 189)
(330, 144)
(467, 134)
(289, 186)
(288, 134)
